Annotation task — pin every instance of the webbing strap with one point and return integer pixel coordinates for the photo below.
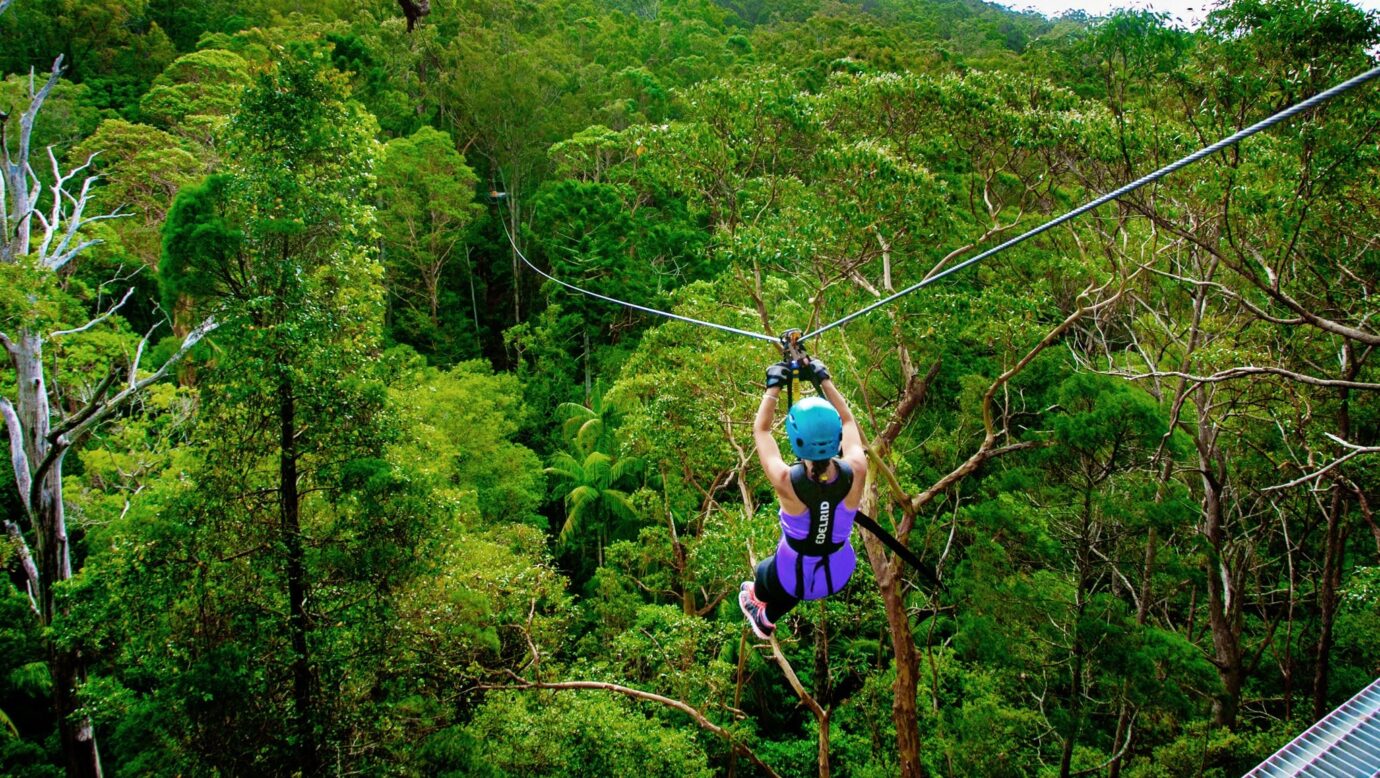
(925, 571)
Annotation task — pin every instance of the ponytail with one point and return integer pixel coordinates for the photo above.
(817, 469)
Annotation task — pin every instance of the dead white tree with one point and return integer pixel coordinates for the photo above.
(43, 228)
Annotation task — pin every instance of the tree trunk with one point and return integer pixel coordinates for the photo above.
(290, 505)
(904, 706)
(903, 700)
(1075, 715)
(43, 465)
(77, 735)
(1123, 721)
(37, 449)
(1327, 603)
(1335, 540)
(1222, 610)
(1078, 650)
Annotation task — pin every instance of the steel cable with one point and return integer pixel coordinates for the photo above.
(635, 306)
(1196, 156)
(1231, 140)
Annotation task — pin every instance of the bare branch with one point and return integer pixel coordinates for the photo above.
(911, 398)
(52, 258)
(1238, 372)
(98, 319)
(987, 449)
(74, 432)
(26, 562)
(36, 98)
(1301, 311)
(92, 406)
(863, 282)
(139, 356)
(898, 493)
(1230, 294)
(129, 391)
(18, 456)
(637, 694)
(794, 680)
(1355, 452)
(749, 506)
(821, 715)
(8, 345)
(1130, 732)
(1354, 447)
(56, 263)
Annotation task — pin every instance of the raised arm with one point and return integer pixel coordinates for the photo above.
(853, 452)
(768, 451)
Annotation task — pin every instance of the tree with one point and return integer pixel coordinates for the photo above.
(1248, 312)
(279, 246)
(141, 170)
(426, 206)
(549, 733)
(43, 236)
(108, 46)
(592, 477)
(195, 95)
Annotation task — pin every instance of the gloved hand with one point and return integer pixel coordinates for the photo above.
(778, 374)
(815, 372)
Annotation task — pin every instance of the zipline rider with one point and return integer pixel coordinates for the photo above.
(819, 498)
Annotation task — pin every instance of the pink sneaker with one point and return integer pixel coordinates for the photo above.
(755, 610)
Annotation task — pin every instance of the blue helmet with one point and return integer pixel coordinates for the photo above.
(815, 429)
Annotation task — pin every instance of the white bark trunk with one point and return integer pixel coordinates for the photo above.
(39, 441)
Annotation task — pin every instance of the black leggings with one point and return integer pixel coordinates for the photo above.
(770, 591)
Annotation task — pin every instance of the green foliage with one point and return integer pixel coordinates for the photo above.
(594, 477)
(142, 169)
(301, 157)
(195, 95)
(464, 421)
(24, 688)
(496, 478)
(106, 45)
(185, 23)
(426, 206)
(1211, 752)
(580, 734)
(1105, 424)
(600, 237)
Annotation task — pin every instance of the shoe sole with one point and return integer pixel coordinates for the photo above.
(743, 597)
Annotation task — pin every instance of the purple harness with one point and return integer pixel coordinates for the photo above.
(814, 558)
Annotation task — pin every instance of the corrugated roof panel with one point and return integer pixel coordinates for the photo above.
(1343, 744)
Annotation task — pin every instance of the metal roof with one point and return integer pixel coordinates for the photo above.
(1343, 744)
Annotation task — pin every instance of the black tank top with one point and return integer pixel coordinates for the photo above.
(823, 501)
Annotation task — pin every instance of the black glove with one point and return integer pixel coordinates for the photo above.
(815, 372)
(778, 374)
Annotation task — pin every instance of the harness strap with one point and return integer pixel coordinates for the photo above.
(925, 571)
(822, 502)
(800, 573)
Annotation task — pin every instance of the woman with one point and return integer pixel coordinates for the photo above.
(819, 496)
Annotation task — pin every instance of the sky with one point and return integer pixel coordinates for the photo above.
(1189, 13)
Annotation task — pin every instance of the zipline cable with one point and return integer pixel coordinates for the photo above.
(643, 308)
(1231, 140)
